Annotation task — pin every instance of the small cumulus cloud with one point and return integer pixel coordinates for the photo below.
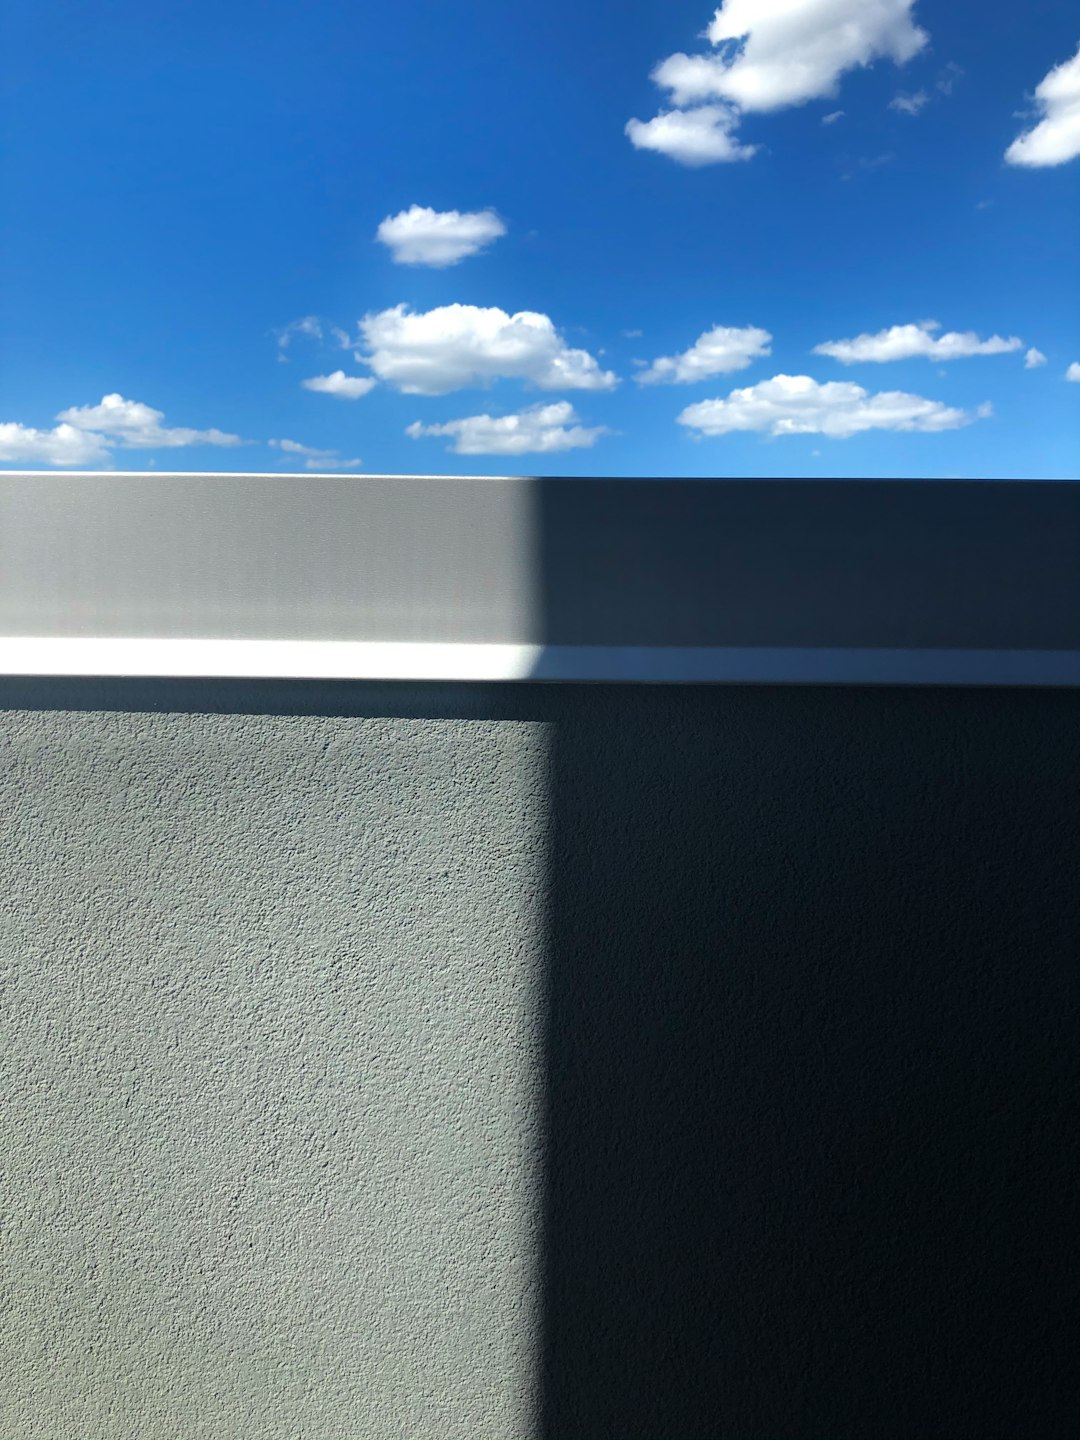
(422, 236)
(906, 342)
(913, 102)
(1033, 359)
(340, 385)
(456, 346)
(717, 352)
(799, 405)
(1056, 137)
(294, 447)
(692, 137)
(832, 117)
(909, 104)
(540, 429)
(313, 457)
(310, 327)
(1073, 372)
(868, 163)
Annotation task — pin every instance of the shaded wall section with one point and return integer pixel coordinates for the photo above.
(812, 1065)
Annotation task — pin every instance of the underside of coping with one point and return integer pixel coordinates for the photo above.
(359, 660)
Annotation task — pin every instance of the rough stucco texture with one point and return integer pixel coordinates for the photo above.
(270, 1124)
(539, 1062)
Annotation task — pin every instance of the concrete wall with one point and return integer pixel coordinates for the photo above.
(553, 1062)
(270, 1057)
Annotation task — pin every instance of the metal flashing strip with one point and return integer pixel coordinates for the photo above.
(360, 660)
(264, 659)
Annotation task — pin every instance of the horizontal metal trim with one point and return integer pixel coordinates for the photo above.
(265, 659)
(362, 660)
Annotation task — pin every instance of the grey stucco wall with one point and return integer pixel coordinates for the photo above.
(545, 1062)
(269, 1067)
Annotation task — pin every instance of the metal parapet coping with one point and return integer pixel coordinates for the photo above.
(528, 578)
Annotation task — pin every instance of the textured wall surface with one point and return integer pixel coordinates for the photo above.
(814, 968)
(538, 1063)
(268, 1063)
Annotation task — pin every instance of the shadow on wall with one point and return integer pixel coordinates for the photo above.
(812, 1064)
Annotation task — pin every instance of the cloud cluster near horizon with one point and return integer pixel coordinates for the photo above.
(457, 347)
(87, 434)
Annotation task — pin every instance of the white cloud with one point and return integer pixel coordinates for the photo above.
(769, 54)
(909, 104)
(294, 447)
(1073, 372)
(692, 137)
(1033, 359)
(87, 433)
(904, 342)
(422, 236)
(138, 427)
(798, 405)
(774, 53)
(832, 117)
(313, 457)
(344, 387)
(310, 326)
(1056, 138)
(455, 346)
(65, 446)
(912, 102)
(541, 429)
(867, 163)
(717, 352)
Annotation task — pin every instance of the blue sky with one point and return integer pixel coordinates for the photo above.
(193, 196)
